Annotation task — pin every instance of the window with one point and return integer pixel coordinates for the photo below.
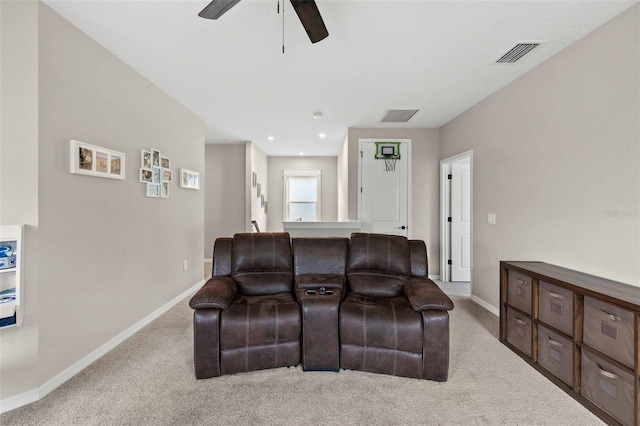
(302, 195)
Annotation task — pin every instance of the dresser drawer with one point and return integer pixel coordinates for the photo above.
(609, 387)
(556, 307)
(519, 291)
(609, 329)
(519, 331)
(555, 353)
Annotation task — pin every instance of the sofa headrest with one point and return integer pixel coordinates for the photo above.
(378, 264)
(320, 255)
(262, 263)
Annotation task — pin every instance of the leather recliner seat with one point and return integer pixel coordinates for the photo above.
(393, 320)
(246, 316)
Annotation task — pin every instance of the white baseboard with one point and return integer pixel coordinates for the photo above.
(495, 311)
(57, 380)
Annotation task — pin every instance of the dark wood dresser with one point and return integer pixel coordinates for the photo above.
(579, 330)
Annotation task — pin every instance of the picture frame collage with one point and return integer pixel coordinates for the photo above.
(189, 179)
(155, 172)
(259, 193)
(94, 160)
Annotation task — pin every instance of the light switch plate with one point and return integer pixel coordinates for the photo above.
(491, 218)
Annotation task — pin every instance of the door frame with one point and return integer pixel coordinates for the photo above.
(445, 212)
(407, 155)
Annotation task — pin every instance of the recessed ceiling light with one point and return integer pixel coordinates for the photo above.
(302, 153)
(317, 115)
(270, 138)
(321, 135)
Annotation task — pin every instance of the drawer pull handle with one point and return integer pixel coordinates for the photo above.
(519, 321)
(556, 295)
(554, 343)
(607, 374)
(610, 316)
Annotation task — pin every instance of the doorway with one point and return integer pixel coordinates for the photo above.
(456, 217)
(384, 204)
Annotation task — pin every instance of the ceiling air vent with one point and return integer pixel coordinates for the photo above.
(518, 51)
(398, 115)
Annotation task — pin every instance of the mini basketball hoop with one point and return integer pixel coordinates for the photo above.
(390, 153)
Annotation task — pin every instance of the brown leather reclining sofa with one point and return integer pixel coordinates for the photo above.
(363, 303)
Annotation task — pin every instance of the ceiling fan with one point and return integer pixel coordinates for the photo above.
(307, 12)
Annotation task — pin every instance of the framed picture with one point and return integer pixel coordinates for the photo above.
(262, 200)
(153, 190)
(146, 176)
(93, 160)
(189, 179)
(265, 207)
(145, 159)
(157, 174)
(167, 175)
(165, 162)
(164, 190)
(155, 157)
(258, 190)
(254, 179)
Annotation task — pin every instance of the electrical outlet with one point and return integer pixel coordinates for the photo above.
(185, 265)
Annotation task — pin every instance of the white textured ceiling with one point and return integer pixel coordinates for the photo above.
(436, 56)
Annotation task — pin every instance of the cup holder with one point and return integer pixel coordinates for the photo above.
(321, 291)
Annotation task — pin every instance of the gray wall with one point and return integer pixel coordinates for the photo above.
(329, 201)
(425, 181)
(103, 256)
(556, 155)
(19, 179)
(224, 213)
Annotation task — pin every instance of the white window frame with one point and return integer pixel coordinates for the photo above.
(286, 174)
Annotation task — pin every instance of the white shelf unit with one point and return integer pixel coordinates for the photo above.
(12, 312)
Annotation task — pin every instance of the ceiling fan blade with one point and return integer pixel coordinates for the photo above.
(312, 22)
(217, 8)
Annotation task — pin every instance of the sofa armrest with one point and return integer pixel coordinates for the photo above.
(424, 294)
(217, 293)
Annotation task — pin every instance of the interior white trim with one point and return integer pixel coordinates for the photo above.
(57, 380)
(489, 307)
(445, 169)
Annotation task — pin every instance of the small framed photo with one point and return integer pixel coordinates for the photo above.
(93, 160)
(167, 175)
(155, 157)
(164, 190)
(189, 179)
(145, 159)
(254, 179)
(146, 175)
(153, 190)
(157, 174)
(262, 200)
(165, 162)
(265, 207)
(102, 162)
(258, 190)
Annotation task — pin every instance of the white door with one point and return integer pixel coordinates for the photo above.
(461, 222)
(384, 195)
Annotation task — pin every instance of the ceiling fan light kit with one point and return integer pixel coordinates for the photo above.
(307, 12)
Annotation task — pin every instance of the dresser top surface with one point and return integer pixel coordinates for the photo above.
(590, 283)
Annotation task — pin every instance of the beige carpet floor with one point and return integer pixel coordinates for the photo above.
(149, 380)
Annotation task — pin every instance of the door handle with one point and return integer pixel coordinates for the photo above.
(402, 227)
